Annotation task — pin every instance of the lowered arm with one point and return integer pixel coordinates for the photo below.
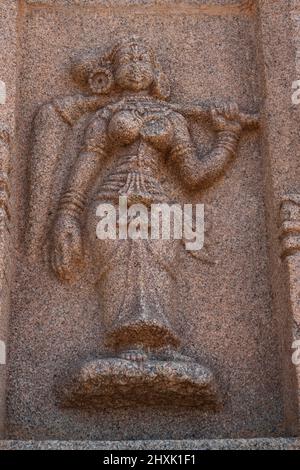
(85, 170)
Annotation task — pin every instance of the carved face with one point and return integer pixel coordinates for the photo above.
(133, 68)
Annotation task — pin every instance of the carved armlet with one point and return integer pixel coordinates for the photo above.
(72, 203)
(227, 140)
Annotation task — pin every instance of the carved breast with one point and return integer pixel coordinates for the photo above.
(126, 127)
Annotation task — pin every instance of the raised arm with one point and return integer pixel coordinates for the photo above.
(67, 253)
(202, 171)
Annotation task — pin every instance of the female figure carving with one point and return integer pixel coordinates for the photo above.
(137, 131)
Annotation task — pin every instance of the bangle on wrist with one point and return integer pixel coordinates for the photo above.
(72, 203)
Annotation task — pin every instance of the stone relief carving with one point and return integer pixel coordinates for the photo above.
(290, 224)
(4, 170)
(131, 125)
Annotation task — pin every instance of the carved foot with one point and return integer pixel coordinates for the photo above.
(163, 354)
(170, 354)
(135, 355)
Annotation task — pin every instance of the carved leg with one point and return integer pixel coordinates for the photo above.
(145, 367)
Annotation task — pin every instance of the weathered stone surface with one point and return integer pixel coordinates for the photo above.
(117, 383)
(205, 444)
(8, 75)
(184, 101)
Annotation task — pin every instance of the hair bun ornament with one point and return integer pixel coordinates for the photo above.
(101, 81)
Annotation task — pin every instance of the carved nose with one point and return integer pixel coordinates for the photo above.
(134, 68)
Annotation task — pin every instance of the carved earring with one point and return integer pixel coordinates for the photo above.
(101, 81)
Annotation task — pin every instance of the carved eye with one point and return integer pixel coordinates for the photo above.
(101, 81)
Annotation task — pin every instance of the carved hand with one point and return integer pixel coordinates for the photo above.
(67, 254)
(226, 118)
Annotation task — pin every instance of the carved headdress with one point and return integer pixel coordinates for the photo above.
(96, 71)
